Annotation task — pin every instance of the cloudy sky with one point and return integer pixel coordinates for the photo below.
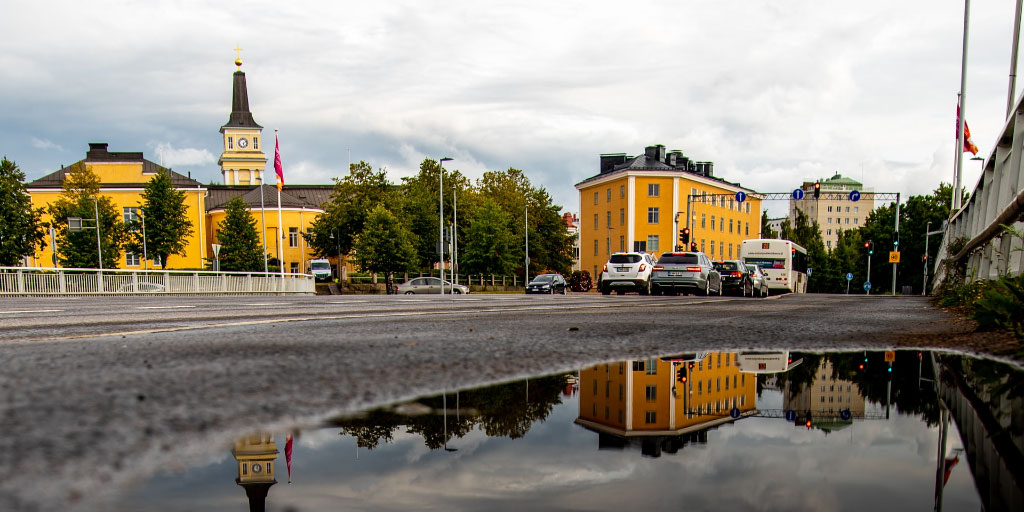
(773, 92)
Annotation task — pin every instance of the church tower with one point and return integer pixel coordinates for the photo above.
(242, 160)
(256, 455)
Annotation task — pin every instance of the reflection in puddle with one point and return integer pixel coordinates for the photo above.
(700, 431)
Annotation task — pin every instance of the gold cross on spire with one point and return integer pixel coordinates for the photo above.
(238, 56)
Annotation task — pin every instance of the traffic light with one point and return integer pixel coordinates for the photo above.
(693, 246)
(684, 236)
(817, 190)
(690, 366)
(681, 375)
(870, 246)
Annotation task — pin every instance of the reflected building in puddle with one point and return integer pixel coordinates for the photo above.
(256, 455)
(832, 401)
(674, 398)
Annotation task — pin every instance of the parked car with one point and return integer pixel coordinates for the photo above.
(547, 283)
(142, 288)
(420, 285)
(759, 279)
(687, 272)
(735, 277)
(627, 272)
(321, 270)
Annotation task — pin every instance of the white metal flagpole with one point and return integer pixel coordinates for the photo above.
(280, 183)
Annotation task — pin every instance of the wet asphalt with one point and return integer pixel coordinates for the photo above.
(101, 392)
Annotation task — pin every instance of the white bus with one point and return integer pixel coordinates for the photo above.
(784, 263)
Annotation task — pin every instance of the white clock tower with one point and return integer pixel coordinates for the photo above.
(242, 160)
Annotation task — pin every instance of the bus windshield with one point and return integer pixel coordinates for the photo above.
(320, 265)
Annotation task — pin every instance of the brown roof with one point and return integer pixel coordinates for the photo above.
(292, 196)
(98, 153)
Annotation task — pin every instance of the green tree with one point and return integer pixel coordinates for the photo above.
(81, 198)
(419, 195)
(239, 239)
(766, 230)
(385, 245)
(167, 226)
(21, 231)
(489, 242)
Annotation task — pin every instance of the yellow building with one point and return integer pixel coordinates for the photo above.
(123, 177)
(646, 398)
(641, 203)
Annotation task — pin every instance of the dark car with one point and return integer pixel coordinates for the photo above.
(687, 272)
(547, 283)
(735, 277)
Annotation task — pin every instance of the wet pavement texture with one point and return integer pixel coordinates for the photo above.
(764, 430)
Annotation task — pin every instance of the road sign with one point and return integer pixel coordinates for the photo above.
(890, 356)
(790, 415)
(740, 197)
(798, 194)
(855, 195)
(809, 271)
(894, 256)
(849, 277)
(867, 286)
(735, 412)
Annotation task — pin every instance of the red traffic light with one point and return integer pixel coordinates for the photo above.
(808, 424)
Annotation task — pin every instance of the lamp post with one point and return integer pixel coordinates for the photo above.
(99, 246)
(145, 254)
(440, 217)
(263, 223)
(455, 236)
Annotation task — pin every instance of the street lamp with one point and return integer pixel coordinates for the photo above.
(440, 218)
(263, 223)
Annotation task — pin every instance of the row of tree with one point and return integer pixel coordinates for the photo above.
(849, 255)
(391, 228)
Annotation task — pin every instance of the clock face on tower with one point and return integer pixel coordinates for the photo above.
(243, 142)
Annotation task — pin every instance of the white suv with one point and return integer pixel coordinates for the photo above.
(627, 271)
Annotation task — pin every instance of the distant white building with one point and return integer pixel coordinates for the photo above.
(572, 225)
(834, 210)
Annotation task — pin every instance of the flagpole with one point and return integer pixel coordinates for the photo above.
(961, 119)
(280, 183)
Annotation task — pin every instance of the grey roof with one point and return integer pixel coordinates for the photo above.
(292, 196)
(98, 153)
(642, 163)
(240, 115)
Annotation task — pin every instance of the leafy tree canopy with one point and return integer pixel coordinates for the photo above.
(239, 239)
(80, 198)
(21, 231)
(167, 226)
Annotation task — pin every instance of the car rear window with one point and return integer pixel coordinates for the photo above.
(625, 258)
(678, 258)
(727, 265)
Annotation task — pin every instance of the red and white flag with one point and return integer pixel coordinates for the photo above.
(277, 163)
(288, 456)
(969, 146)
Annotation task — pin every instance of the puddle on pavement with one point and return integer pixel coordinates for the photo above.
(702, 431)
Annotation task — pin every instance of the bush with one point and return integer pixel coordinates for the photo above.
(1001, 305)
(579, 281)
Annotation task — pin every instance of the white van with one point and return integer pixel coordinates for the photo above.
(321, 269)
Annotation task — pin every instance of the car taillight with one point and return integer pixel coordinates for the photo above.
(658, 267)
(735, 274)
(605, 268)
(693, 269)
(643, 267)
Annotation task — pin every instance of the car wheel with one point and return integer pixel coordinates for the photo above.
(457, 291)
(707, 289)
(410, 293)
(605, 290)
(620, 292)
(720, 287)
(565, 290)
(645, 289)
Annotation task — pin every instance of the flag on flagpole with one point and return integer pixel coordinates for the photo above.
(277, 163)
(969, 146)
(288, 456)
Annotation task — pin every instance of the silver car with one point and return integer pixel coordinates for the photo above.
(760, 281)
(422, 285)
(687, 272)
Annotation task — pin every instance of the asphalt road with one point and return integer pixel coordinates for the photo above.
(101, 392)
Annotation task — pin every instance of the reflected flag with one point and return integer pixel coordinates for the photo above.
(278, 168)
(288, 456)
(969, 146)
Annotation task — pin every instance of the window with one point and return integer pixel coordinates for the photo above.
(652, 393)
(293, 237)
(856, 209)
(622, 216)
(718, 384)
(703, 221)
(702, 245)
(652, 215)
(131, 259)
(622, 191)
(714, 200)
(730, 251)
(608, 219)
(652, 243)
(746, 228)
(712, 222)
(255, 142)
(231, 143)
(622, 243)
(595, 197)
(157, 261)
(730, 225)
(700, 387)
(294, 268)
(721, 249)
(712, 248)
(650, 417)
(595, 221)
(847, 220)
(607, 388)
(609, 194)
(828, 231)
(595, 254)
(855, 221)
(131, 214)
(748, 207)
(653, 190)
(721, 224)
(830, 209)
(847, 209)
(830, 220)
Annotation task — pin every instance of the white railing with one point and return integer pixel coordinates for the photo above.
(997, 199)
(90, 281)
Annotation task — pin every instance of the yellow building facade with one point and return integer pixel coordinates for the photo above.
(641, 203)
(645, 397)
(124, 175)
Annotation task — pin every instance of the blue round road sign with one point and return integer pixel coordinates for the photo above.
(845, 414)
(790, 415)
(855, 195)
(867, 285)
(740, 197)
(798, 194)
(735, 412)
(849, 277)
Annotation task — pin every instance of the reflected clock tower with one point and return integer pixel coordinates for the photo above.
(256, 455)
(242, 160)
